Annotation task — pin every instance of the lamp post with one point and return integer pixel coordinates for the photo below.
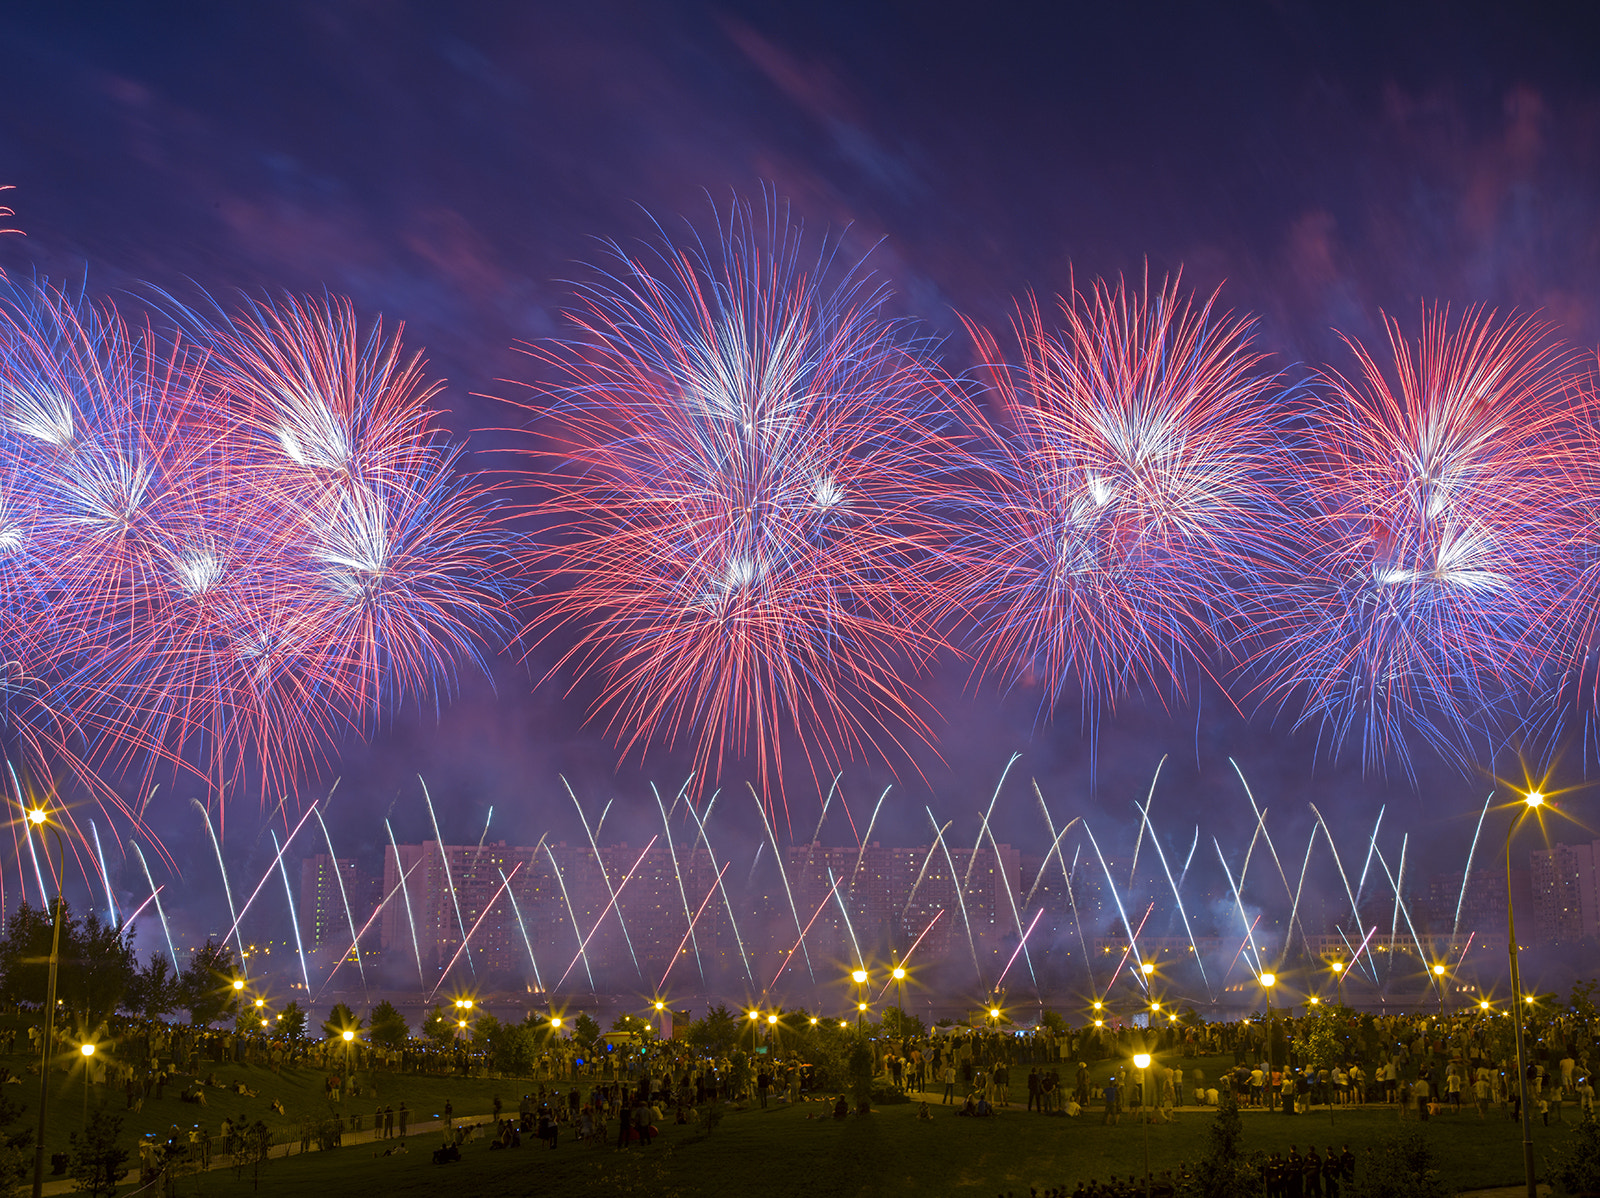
(1338, 979)
(1141, 1061)
(349, 1042)
(40, 819)
(87, 1049)
(899, 975)
(1531, 802)
(1268, 980)
(754, 1016)
(1438, 979)
(859, 976)
(661, 1018)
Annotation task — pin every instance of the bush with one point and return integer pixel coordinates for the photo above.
(1574, 1168)
(1401, 1167)
(884, 1095)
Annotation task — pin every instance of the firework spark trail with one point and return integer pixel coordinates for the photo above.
(1051, 826)
(1016, 915)
(505, 884)
(1144, 821)
(288, 893)
(355, 939)
(160, 914)
(1247, 942)
(816, 833)
(577, 932)
(1083, 943)
(605, 875)
(1294, 907)
(833, 888)
(1132, 950)
(444, 861)
(960, 889)
(344, 898)
(800, 939)
(783, 876)
(1055, 847)
(522, 927)
(105, 877)
(662, 984)
(1122, 486)
(486, 822)
(1428, 542)
(1238, 899)
(1344, 878)
(1021, 947)
(1466, 874)
(1365, 940)
(920, 935)
(405, 893)
(1396, 880)
(1193, 844)
(923, 872)
(861, 853)
(683, 893)
(626, 879)
(139, 910)
(977, 843)
(1261, 824)
(1117, 898)
(265, 878)
(1372, 847)
(44, 896)
(1465, 948)
(1178, 898)
(733, 922)
(745, 480)
(227, 887)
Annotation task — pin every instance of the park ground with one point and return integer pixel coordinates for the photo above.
(784, 1150)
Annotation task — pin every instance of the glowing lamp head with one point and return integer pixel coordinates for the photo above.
(1438, 971)
(842, 1023)
(1141, 1060)
(1534, 799)
(862, 1007)
(899, 973)
(348, 1036)
(462, 1024)
(771, 1019)
(1315, 1000)
(37, 816)
(1155, 1006)
(994, 1012)
(555, 1021)
(1099, 1023)
(755, 1014)
(264, 1023)
(1483, 1004)
(813, 1021)
(1098, 1004)
(87, 1050)
(860, 976)
(661, 1006)
(1338, 967)
(1269, 979)
(238, 983)
(1148, 968)
(260, 1002)
(467, 1003)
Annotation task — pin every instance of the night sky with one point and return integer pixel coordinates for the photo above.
(449, 165)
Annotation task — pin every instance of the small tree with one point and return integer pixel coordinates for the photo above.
(154, 991)
(292, 1023)
(341, 1019)
(96, 1162)
(900, 1024)
(860, 1066)
(1400, 1166)
(206, 985)
(438, 1027)
(586, 1031)
(1225, 1171)
(1575, 1166)
(716, 1033)
(15, 1154)
(386, 1026)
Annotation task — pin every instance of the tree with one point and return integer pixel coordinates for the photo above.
(16, 1154)
(860, 1067)
(386, 1026)
(1225, 1171)
(438, 1027)
(154, 990)
(292, 1023)
(96, 1161)
(716, 1033)
(100, 971)
(511, 1047)
(899, 1024)
(586, 1031)
(206, 987)
(25, 954)
(1399, 1166)
(339, 1021)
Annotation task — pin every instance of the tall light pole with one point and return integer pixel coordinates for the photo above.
(1268, 980)
(1532, 801)
(1141, 1061)
(1338, 979)
(40, 819)
(349, 1042)
(899, 975)
(87, 1049)
(859, 976)
(1438, 978)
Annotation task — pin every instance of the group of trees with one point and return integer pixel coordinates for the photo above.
(98, 974)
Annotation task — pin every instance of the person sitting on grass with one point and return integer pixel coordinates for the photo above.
(841, 1109)
(923, 1112)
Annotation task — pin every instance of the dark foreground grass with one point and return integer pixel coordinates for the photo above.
(780, 1152)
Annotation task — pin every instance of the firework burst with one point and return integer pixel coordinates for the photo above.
(1122, 493)
(1425, 539)
(741, 480)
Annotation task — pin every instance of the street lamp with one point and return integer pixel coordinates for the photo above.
(754, 1015)
(1141, 1061)
(349, 1039)
(1268, 980)
(899, 975)
(1438, 978)
(88, 1055)
(1338, 977)
(40, 819)
(1531, 802)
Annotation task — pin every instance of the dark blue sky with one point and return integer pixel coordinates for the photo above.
(449, 164)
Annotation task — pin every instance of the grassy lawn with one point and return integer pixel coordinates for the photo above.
(780, 1152)
(776, 1152)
